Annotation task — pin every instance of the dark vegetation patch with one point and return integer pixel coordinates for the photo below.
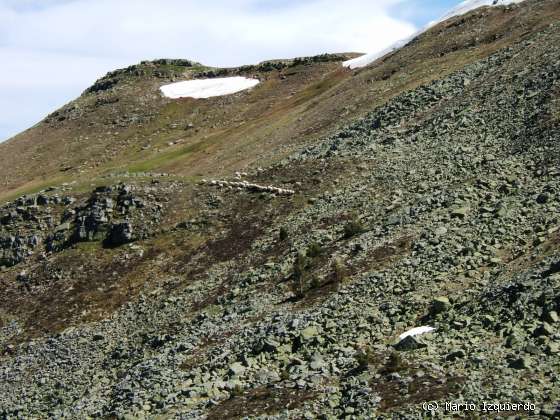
(213, 296)
(381, 256)
(273, 65)
(260, 401)
(242, 220)
(87, 283)
(353, 227)
(314, 288)
(339, 271)
(158, 68)
(241, 234)
(521, 260)
(204, 347)
(421, 389)
(396, 393)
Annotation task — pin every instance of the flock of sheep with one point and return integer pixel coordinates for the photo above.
(244, 185)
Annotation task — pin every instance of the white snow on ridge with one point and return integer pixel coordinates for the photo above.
(469, 5)
(416, 331)
(367, 59)
(208, 88)
(461, 9)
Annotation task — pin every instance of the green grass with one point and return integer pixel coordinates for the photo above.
(90, 184)
(161, 159)
(89, 247)
(33, 189)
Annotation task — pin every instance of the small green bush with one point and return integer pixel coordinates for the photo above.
(237, 391)
(283, 234)
(315, 282)
(298, 277)
(364, 358)
(353, 227)
(285, 375)
(395, 363)
(339, 272)
(315, 250)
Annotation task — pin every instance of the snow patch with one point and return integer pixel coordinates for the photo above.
(208, 88)
(416, 331)
(469, 5)
(459, 10)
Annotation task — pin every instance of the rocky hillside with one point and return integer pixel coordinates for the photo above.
(268, 254)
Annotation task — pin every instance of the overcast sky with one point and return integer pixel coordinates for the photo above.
(51, 50)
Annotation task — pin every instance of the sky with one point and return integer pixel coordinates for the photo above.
(52, 50)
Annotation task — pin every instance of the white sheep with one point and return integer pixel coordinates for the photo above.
(239, 186)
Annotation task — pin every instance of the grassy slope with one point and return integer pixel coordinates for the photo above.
(290, 107)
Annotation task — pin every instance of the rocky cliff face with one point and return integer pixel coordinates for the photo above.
(142, 295)
(50, 222)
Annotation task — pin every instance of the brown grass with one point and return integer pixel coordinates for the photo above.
(254, 127)
(260, 401)
(421, 389)
(83, 284)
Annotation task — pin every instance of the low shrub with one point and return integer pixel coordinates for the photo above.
(353, 227)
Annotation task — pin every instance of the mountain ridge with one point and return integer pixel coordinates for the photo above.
(397, 246)
(347, 89)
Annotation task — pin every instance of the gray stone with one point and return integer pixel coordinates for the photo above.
(551, 317)
(317, 363)
(553, 348)
(410, 343)
(460, 212)
(309, 333)
(440, 231)
(545, 329)
(236, 369)
(267, 376)
(440, 304)
(456, 354)
(64, 227)
(520, 363)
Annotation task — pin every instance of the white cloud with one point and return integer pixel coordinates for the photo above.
(62, 46)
